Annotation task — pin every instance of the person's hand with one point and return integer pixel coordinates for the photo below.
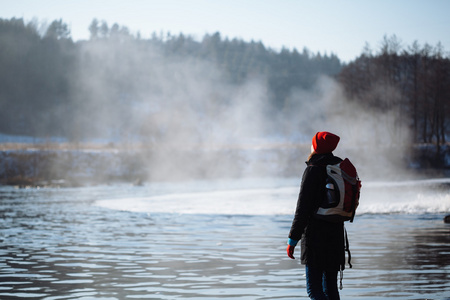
(290, 251)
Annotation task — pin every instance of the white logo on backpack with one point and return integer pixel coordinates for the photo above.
(342, 193)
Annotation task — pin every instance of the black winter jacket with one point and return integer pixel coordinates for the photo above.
(322, 243)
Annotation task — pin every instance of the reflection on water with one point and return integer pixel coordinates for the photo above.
(405, 256)
(57, 245)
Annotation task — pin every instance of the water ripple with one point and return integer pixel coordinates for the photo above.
(60, 246)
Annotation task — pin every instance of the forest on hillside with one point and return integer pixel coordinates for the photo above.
(174, 89)
(52, 86)
(414, 83)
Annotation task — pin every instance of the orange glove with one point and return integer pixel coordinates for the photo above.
(290, 251)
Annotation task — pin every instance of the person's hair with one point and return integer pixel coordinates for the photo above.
(311, 155)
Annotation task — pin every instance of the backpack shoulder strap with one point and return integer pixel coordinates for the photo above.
(347, 248)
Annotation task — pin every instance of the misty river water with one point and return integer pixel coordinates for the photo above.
(213, 240)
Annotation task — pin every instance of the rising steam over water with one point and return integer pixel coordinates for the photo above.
(171, 104)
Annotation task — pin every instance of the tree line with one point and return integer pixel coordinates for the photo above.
(47, 81)
(126, 86)
(412, 82)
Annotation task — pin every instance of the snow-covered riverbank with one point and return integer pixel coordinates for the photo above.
(62, 164)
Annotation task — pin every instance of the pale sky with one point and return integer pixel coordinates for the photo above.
(342, 27)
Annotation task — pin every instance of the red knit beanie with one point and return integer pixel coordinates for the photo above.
(325, 142)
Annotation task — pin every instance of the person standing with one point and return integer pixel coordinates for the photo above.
(322, 242)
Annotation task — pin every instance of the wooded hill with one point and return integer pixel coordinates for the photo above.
(412, 82)
(119, 86)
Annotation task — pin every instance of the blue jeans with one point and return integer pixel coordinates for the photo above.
(321, 285)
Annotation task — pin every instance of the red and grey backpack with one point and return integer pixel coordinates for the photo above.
(342, 193)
